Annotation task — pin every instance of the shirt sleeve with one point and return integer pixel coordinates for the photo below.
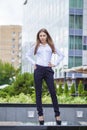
(29, 55)
(59, 58)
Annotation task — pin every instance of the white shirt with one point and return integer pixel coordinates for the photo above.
(43, 55)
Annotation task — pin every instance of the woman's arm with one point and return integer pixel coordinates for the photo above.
(60, 56)
(29, 54)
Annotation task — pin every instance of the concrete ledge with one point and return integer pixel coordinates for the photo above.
(44, 105)
(26, 114)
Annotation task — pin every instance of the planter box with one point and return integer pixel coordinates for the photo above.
(73, 116)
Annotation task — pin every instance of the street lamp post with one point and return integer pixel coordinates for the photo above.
(64, 77)
(64, 68)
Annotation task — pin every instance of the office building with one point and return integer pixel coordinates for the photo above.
(10, 44)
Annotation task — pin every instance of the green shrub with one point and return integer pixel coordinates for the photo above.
(45, 89)
(27, 98)
(24, 83)
(80, 88)
(60, 89)
(72, 89)
(3, 94)
(66, 90)
(7, 91)
(84, 93)
(7, 72)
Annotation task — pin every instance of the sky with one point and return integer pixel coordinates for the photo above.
(11, 12)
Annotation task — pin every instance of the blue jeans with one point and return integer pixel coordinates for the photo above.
(45, 73)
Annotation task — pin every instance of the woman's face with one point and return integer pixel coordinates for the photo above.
(43, 37)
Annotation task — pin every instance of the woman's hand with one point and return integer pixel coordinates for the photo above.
(35, 67)
(51, 65)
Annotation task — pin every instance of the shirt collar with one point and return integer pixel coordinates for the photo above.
(43, 45)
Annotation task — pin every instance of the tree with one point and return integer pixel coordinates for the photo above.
(80, 88)
(66, 88)
(72, 89)
(60, 89)
(7, 72)
(24, 83)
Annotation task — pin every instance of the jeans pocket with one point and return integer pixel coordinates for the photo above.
(51, 70)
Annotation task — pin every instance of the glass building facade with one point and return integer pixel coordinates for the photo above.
(77, 33)
(65, 20)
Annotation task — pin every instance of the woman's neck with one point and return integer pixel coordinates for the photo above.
(44, 43)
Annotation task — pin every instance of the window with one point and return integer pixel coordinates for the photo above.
(75, 61)
(78, 42)
(13, 39)
(84, 47)
(71, 21)
(13, 34)
(12, 60)
(76, 21)
(85, 39)
(75, 42)
(79, 3)
(71, 61)
(76, 4)
(71, 42)
(78, 61)
(13, 51)
(13, 46)
(71, 3)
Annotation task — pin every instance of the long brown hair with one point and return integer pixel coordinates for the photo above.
(49, 40)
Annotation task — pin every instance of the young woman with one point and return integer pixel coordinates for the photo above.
(43, 50)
